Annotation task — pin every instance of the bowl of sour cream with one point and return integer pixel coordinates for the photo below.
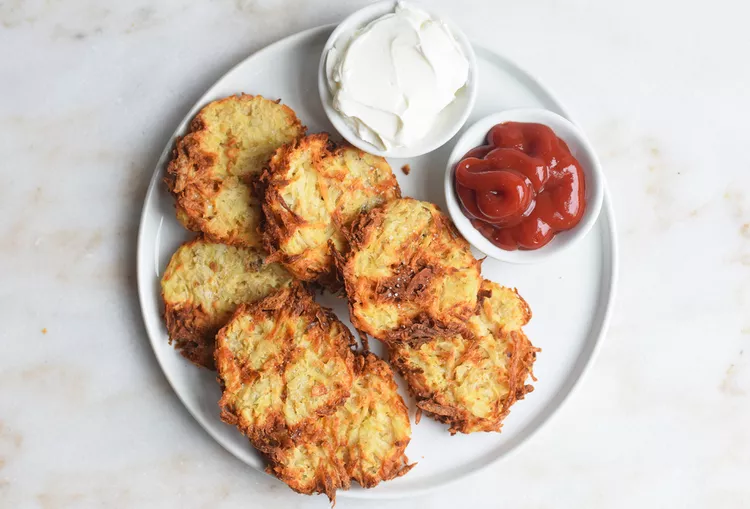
(397, 81)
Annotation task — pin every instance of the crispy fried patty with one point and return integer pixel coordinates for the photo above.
(409, 274)
(284, 362)
(214, 166)
(313, 189)
(203, 285)
(470, 380)
(363, 440)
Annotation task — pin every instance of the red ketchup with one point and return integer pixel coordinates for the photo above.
(522, 187)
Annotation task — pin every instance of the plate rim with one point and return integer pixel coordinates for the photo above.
(553, 408)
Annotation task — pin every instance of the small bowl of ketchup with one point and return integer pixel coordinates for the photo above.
(522, 185)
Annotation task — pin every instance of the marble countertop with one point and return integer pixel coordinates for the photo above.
(91, 92)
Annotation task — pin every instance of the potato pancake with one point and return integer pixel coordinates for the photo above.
(284, 362)
(363, 440)
(214, 166)
(203, 285)
(314, 189)
(409, 274)
(470, 380)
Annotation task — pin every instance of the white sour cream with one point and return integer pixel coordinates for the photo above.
(391, 79)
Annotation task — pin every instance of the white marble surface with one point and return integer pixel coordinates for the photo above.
(92, 90)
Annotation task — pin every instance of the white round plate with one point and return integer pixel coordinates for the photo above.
(570, 295)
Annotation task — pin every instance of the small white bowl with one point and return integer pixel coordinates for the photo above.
(449, 121)
(581, 150)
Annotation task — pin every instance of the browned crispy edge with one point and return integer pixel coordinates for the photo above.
(188, 154)
(522, 355)
(189, 327)
(527, 314)
(323, 482)
(299, 301)
(422, 327)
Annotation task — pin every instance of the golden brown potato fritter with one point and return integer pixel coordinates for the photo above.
(363, 440)
(409, 274)
(284, 362)
(202, 286)
(313, 189)
(470, 380)
(214, 166)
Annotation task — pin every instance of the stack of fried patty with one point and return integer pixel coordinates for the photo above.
(322, 413)
(279, 212)
(285, 362)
